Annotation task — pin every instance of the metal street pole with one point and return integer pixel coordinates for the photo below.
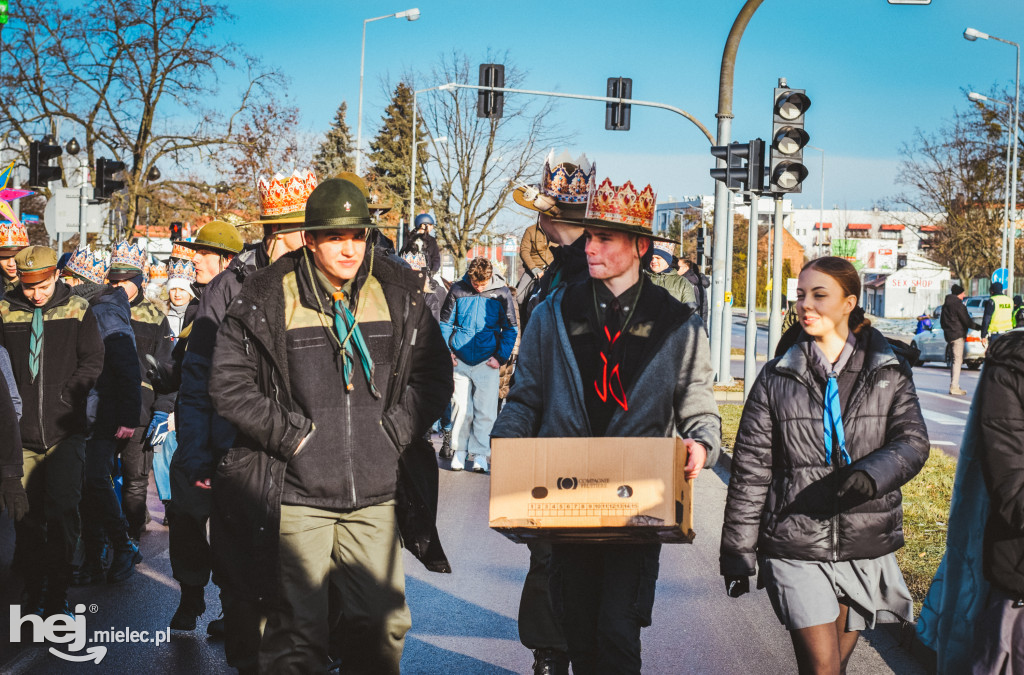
(83, 216)
(719, 314)
(411, 15)
(774, 315)
(750, 347)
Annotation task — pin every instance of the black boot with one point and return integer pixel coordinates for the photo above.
(446, 444)
(190, 608)
(550, 662)
(126, 555)
(91, 571)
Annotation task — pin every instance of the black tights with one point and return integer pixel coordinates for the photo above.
(825, 649)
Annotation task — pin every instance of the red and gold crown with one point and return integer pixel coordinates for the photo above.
(13, 236)
(158, 273)
(182, 252)
(88, 265)
(283, 199)
(622, 205)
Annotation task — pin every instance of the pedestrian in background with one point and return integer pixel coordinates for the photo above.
(479, 325)
(999, 400)
(700, 282)
(13, 238)
(657, 265)
(817, 518)
(998, 316)
(420, 249)
(956, 321)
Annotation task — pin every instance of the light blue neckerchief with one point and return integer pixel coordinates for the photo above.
(833, 415)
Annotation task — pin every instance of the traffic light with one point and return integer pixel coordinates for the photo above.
(786, 170)
(700, 245)
(176, 230)
(616, 115)
(106, 186)
(490, 103)
(5, 15)
(735, 174)
(40, 173)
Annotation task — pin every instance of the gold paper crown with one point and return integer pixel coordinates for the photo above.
(566, 179)
(282, 195)
(158, 272)
(622, 205)
(181, 269)
(665, 246)
(13, 235)
(88, 265)
(127, 255)
(182, 252)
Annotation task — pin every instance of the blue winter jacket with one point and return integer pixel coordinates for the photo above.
(477, 326)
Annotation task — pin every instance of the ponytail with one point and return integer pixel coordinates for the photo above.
(858, 321)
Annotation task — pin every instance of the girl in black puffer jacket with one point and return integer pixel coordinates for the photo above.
(830, 432)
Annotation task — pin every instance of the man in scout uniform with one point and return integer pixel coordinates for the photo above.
(330, 366)
(560, 201)
(115, 406)
(152, 339)
(57, 355)
(203, 436)
(13, 238)
(644, 365)
(998, 315)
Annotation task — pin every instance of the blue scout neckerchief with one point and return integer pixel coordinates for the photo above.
(833, 414)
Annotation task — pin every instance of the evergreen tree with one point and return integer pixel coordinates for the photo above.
(336, 152)
(391, 154)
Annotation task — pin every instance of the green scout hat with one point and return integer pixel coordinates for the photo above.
(217, 236)
(337, 204)
(35, 263)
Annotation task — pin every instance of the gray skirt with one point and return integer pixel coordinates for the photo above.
(807, 593)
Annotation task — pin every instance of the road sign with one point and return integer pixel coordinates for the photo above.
(61, 213)
(1001, 276)
(791, 289)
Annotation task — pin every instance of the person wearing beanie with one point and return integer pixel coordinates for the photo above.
(658, 268)
(181, 277)
(955, 322)
(153, 339)
(999, 316)
(56, 355)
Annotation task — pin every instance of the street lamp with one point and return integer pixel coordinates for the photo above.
(972, 35)
(981, 98)
(415, 147)
(409, 14)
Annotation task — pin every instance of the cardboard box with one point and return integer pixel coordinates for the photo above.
(591, 490)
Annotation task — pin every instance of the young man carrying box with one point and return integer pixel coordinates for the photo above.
(643, 362)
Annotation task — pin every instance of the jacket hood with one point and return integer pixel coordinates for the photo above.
(61, 293)
(1007, 351)
(497, 281)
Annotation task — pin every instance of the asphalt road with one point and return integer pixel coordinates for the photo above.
(944, 415)
(465, 622)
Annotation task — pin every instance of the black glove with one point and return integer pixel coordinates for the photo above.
(13, 497)
(737, 586)
(861, 483)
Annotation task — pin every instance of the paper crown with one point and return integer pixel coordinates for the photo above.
(182, 252)
(665, 246)
(127, 255)
(13, 235)
(622, 205)
(566, 179)
(285, 195)
(87, 265)
(158, 273)
(181, 269)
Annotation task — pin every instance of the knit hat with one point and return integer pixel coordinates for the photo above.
(956, 289)
(995, 289)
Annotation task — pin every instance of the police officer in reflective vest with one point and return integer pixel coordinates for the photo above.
(998, 317)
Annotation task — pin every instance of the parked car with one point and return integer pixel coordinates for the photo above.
(933, 347)
(975, 306)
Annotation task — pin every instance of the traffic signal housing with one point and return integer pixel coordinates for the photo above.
(40, 173)
(490, 104)
(616, 115)
(106, 186)
(700, 244)
(736, 174)
(786, 170)
(176, 230)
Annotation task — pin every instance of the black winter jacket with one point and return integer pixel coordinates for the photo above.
(54, 405)
(152, 338)
(955, 319)
(116, 400)
(253, 391)
(782, 500)
(1000, 403)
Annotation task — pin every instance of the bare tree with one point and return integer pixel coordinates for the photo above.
(958, 173)
(134, 79)
(483, 160)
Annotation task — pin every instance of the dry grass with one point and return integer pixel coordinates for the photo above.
(730, 413)
(925, 511)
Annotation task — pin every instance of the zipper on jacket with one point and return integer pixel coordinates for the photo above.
(39, 385)
(350, 447)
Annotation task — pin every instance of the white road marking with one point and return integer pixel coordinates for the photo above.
(962, 400)
(940, 418)
(945, 443)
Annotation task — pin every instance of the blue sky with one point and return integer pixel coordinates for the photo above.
(874, 72)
